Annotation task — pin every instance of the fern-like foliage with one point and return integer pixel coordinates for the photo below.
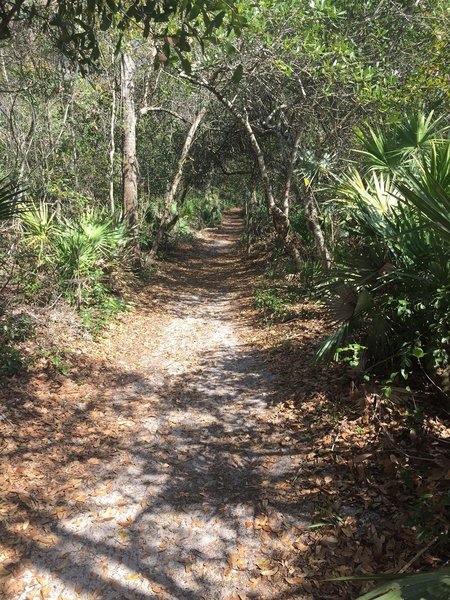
(390, 287)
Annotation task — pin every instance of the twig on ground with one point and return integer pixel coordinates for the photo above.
(418, 555)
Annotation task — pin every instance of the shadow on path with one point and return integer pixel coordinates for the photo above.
(168, 476)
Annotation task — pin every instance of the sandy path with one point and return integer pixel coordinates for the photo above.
(182, 508)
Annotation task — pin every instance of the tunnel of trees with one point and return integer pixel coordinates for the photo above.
(128, 126)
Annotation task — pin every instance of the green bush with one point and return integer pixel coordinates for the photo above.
(77, 253)
(201, 210)
(14, 329)
(389, 290)
(83, 252)
(270, 302)
(211, 210)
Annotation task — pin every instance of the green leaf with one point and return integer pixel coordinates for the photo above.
(113, 7)
(238, 73)
(421, 586)
(418, 352)
(218, 19)
(230, 49)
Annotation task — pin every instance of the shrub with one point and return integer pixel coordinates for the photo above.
(202, 210)
(14, 329)
(79, 253)
(389, 291)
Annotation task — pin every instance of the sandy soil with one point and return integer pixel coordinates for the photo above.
(180, 505)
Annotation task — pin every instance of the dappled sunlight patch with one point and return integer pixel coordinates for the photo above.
(194, 454)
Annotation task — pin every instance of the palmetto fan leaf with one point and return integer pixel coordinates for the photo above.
(387, 150)
(394, 260)
(375, 192)
(380, 150)
(342, 303)
(418, 129)
(9, 199)
(327, 350)
(421, 586)
(429, 191)
(81, 245)
(38, 223)
(439, 165)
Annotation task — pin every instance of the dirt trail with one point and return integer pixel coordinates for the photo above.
(182, 505)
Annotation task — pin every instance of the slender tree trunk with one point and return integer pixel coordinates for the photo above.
(112, 145)
(129, 160)
(250, 221)
(172, 190)
(74, 155)
(175, 218)
(314, 223)
(312, 218)
(280, 218)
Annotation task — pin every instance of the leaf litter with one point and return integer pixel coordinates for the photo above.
(193, 454)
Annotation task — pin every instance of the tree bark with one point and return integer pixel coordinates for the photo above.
(175, 218)
(112, 144)
(251, 205)
(129, 159)
(280, 218)
(312, 218)
(172, 190)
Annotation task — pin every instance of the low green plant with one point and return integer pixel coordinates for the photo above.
(270, 302)
(17, 328)
(58, 361)
(10, 196)
(183, 229)
(107, 307)
(83, 251)
(14, 330)
(311, 271)
(11, 361)
(201, 211)
(211, 210)
(389, 290)
(434, 585)
(78, 255)
(39, 226)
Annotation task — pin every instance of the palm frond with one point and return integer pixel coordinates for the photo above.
(380, 150)
(418, 129)
(327, 350)
(434, 585)
(10, 196)
(390, 283)
(429, 192)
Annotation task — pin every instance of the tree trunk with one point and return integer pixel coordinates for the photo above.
(312, 218)
(112, 144)
(172, 190)
(251, 205)
(129, 160)
(280, 218)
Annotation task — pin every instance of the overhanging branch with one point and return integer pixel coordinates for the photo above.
(146, 109)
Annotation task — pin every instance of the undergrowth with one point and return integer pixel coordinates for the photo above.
(15, 329)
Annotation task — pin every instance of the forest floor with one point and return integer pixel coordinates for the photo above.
(192, 454)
